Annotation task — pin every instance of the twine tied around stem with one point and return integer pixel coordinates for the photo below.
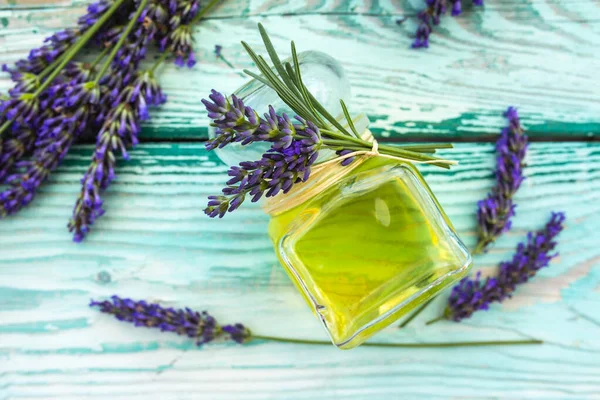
(326, 173)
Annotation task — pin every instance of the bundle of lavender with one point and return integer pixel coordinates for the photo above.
(295, 142)
(57, 99)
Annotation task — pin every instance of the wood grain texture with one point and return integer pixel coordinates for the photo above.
(539, 55)
(155, 243)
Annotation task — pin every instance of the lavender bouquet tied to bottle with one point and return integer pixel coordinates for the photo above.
(56, 100)
(295, 142)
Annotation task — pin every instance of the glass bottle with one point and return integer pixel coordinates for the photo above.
(364, 244)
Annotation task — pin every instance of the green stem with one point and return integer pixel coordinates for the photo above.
(354, 146)
(426, 146)
(343, 143)
(122, 39)
(479, 248)
(433, 321)
(394, 150)
(160, 60)
(99, 58)
(230, 65)
(204, 11)
(79, 44)
(341, 136)
(5, 126)
(52, 66)
(405, 345)
(386, 149)
(414, 315)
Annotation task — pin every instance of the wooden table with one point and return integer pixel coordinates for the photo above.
(155, 243)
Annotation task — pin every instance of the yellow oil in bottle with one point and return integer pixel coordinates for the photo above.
(369, 249)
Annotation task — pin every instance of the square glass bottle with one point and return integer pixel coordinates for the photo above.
(365, 243)
(367, 246)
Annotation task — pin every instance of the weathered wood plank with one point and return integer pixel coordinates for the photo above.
(539, 55)
(247, 8)
(155, 243)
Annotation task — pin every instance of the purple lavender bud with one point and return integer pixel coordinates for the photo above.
(456, 8)
(191, 61)
(423, 31)
(238, 332)
(119, 132)
(346, 161)
(471, 295)
(294, 149)
(234, 121)
(180, 43)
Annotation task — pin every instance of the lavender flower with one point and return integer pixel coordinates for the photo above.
(181, 44)
(234, 121)
(295, 147)
(201, 327)
(55, 99)
(59, 42)
(277, 171)
(345, 161)
(52, 144)
(471, 295)
(78, 72)
(431, 16)
(495, 212)
(25, 82)
(179, 40)
(120, 131)
(22, 109)
(14, 148)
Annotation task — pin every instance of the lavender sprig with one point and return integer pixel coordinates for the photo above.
(57, 44)
(431, 16)
(200, 326)
(471, 295)
(120, 131)
(494, 213)
(203, 328)
(57, 134)
(30, 110)
(295, 148)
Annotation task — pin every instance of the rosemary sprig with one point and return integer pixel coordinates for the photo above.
(286, 81)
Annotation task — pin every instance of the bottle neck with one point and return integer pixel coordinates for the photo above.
(321, 178)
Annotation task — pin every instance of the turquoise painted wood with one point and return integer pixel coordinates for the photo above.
(155, 242)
